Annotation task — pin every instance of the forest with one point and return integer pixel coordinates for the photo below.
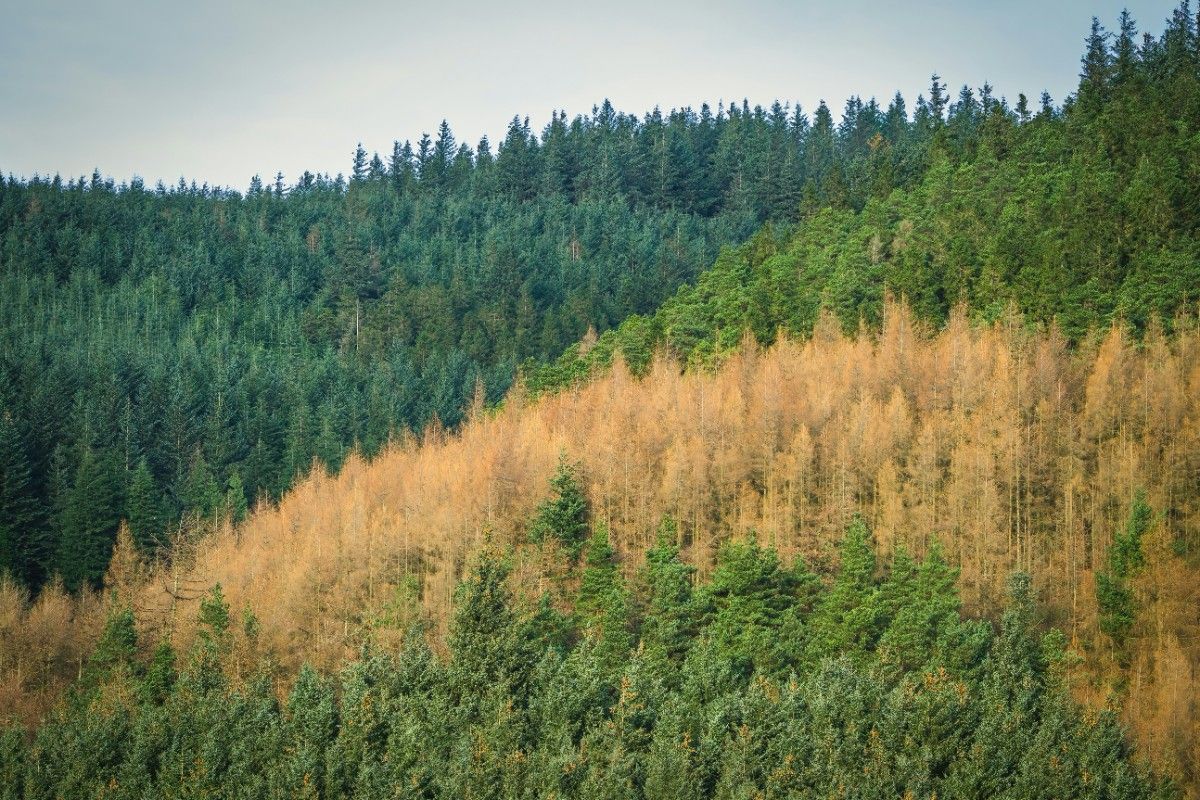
(755, 683)
(151, 334)
(738, 453)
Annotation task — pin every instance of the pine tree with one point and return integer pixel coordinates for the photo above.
(444, 149)
(599, 579)
(847, 618)
(1125, 53)
(114, 651)
(1095, 77)
(483, 622)
(565, 515)
(214, 615)
(12, 762)
(358, 168)
(1114, 594)
(602, 606)
(670, 620)
(20, 518)
(748, 601)
(143, 511)
(937, 100)
(235, 497)
(88, 521)
(201, 494)
(309, 732)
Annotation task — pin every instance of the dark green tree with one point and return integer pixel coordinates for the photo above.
(88, 520)
(1114, 592)
(565, 514)
(143, 512)
(22, 546)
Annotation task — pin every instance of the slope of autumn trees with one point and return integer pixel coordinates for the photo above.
(1010, 449)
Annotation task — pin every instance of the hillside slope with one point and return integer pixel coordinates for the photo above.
(1007, 447)
(1078, 215)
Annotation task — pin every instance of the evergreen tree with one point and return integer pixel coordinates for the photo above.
(565, 514)
(847, 618)
(88, 521)
(602, 605)
(201, 495)
(1114, 594)
(235, 497)
(483, 622)
(670, 619)
(21, 537)
(358, 168)
(143, 512)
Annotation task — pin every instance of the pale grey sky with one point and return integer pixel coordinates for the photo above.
(220, 90)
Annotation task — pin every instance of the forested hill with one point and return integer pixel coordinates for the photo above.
(178, 352)
(1081, 215)
(952, 555)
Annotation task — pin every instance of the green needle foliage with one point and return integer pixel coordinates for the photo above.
(1077, 215)
(1114, 592)
(765, 681)
(565, 514)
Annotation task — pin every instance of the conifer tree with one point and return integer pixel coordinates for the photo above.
(235, 497)
(482, 627)
(358, 168)
(847, 618)
(566, 513)
(20, 521)
(602, 606)
(670, 619)
(308, 733)
(143, 512)
(88, 521)
(1114, 594)
(201, 494)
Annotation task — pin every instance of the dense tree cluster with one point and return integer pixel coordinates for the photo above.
(184, 351)
(172, 351)
(767, 680)
(1078, 214)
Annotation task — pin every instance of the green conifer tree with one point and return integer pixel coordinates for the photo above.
(1114, 594)
(143, 510)
(565, 515)
(20, 517)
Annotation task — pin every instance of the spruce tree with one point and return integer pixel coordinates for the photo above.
(1114, 592)
(88, 521)
(20, 517)
(670, 618)
(848, 616)
(201, 494)
(235, 497)
(566, 513)
(142, 510)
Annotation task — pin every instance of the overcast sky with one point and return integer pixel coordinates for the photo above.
(220, 90)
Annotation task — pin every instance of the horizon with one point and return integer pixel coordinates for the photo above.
(158, 115)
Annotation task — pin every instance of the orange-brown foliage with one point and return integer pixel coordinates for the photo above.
(1011, 449)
